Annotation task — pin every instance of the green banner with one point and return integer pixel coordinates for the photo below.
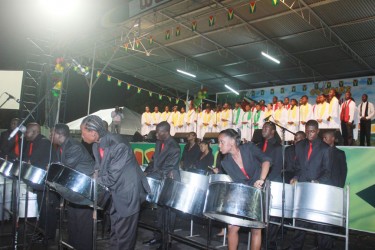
(360, 179)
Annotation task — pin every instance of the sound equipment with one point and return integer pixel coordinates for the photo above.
(137, 137)
(339, 140)
(211, 137)
(151, 137)
(181, 137)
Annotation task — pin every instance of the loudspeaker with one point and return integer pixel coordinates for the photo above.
(211, 137)
(137, 137)
(339, 139)
(258, 138)
(151, 137)
(181, 137)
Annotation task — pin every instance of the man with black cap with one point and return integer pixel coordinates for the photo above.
(119, 171)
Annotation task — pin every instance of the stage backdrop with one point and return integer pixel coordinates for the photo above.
(360, 178)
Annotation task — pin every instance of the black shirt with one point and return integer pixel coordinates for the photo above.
(38, 152)
(252, 159)
(339, 168)
(274, 151)
(190, 156)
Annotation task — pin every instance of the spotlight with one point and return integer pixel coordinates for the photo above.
(270, 57)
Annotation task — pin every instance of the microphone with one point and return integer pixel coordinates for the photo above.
(12, 97)
(267, 118)
(14, 132)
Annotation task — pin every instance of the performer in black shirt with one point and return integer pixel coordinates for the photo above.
(290, 156)
(73, 154)
(191, 151)
(119, 171)
(10, 149)
(313, 164)
(37, 153)
(244, 164)
(205, 161)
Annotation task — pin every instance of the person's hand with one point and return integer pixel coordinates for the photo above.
(290, 123)
(293, 181)
(314, 181)
(319, 120)
(215, 170)
(329, 118)
(349, 123)
(259, 183)
(303, 123)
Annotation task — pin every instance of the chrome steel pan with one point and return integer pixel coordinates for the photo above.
(182, 197)
(235, 204)
(77, 187)
(219, 178)
(320, 203)
(32, 175)
(155, 186)
(276, 200)
(194, 180)
(6, 168)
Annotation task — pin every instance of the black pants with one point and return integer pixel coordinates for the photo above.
(48, 213)
(123, 231)
(80, 225)
(365, 132)
(347, 133)
(325, 242)
(161, 212)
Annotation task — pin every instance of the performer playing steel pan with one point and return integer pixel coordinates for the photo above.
(244, 164)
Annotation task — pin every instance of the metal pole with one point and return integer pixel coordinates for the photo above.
(91, 78)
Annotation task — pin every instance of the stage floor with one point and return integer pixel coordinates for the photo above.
(357, 239)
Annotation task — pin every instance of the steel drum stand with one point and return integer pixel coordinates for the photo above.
(95, 211)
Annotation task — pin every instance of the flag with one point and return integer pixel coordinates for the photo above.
(369, 81)
(150, 40)
(119, 82)
(75, 68)
(137, 44)
(139, 90)
(56, 89)
(252, 7)
(294, 89)
(211, 21)
(150, 93)
(177, 101)
(328, 84)
(126, 46)
(355, 82)
(304, 87)
(230, 14)
(282, 90)
(316, 85)
(341, 83)
(128, 86)
(98, 73)
(160, 96)
(272, 91)
(169, 98)
(194, 25)
(275, 2)
(167, 35)
(262, 92)
(178, 31)
(109, 78)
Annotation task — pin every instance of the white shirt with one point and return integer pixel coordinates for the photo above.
(362, 110)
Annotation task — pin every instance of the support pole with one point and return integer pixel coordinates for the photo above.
(91, 78)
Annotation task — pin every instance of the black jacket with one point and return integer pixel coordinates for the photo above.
(119, 171)
(7, 147)
(165, 162)
(39, 154)
(74, 155)
(274, 151)
(339, 167)
(318, 167)
(189, 157)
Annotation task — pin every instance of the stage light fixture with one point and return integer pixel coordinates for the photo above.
(270, 57)
(234, 91)
(186, 73)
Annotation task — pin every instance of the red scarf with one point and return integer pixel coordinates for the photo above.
(16, 146)
(344, 116)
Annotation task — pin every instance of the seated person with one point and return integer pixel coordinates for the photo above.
(205, 161)
(191, 151)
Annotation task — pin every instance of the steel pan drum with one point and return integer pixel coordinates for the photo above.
(6, 168)
(32, 175)
(219, 177)
(182, 197)
(193, 179)
(77, 187)
(320, 203)
(155, 186)
(235, 204)
(276, 200)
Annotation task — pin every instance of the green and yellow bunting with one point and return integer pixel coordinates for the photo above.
(150, 40)
(150, 93)
(275, 2)
(230, 14)
(355, 82)
(119, 83)
(167, 35)
(178, 31)
(126, 46)
(194, 25)
(139, 90)
(137, 43)
(169, 98)
(369, 81)
(211, 21)
(177, 101)
(56, 89)
(252, 7)
(128, 86)
(98, 73)
(109, 78)
(160, 96)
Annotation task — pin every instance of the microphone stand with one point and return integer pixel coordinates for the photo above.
(283, 129)
(5, 101)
